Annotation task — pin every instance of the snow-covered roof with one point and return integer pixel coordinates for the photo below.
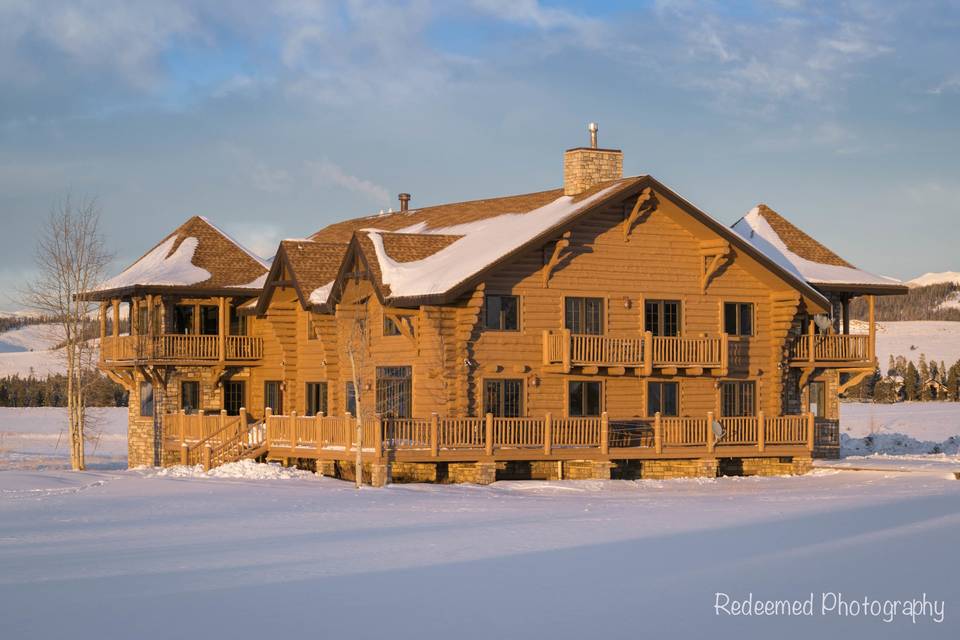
(197, 255)
(798, 253)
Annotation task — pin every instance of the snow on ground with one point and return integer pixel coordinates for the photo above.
(28, 351)
(36, 437)
(247, 469)
(938, 340)
(126, 554)
(34, 337)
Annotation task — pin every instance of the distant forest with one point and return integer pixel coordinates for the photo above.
(935, 302)
(51, 391)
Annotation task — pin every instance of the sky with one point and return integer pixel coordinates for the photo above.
(274, 119)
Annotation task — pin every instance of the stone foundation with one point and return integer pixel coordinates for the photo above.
(417, 472)
(666, 469)
(472, 472)
(586, 470)
(788, 466)
(529, 470)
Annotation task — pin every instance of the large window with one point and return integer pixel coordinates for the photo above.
(737, 399)
(663, 397)
(817, 399)
(238, 323)
(584, 398)
(146, 400)
(234, 396)
(503, 398)
(273, 396)
(183, 318)
(584, 315)
(738, 318)
(316, 400)
(394, 391)
(209, 320)
(662, 317)
(501, 313)
(189, 395)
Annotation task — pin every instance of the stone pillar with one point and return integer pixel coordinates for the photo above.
(379, 474)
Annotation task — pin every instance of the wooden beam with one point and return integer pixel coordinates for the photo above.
(854, 380)
(669, 371)
(645, 196)
(591, 370)
(616, 371)
(562, 244)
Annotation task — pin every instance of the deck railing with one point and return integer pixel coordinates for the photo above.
(832, 348)
(169, 347)
(490, 436)
(646, 351)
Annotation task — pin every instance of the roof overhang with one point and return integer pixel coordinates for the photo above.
(171, 290)
(863, 289)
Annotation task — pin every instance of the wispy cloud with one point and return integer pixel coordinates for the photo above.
(329, 173)
(949, 85)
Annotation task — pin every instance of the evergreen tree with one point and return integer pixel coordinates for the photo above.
(901, 366)
(953, 383)
(911, 382)
(891, 367)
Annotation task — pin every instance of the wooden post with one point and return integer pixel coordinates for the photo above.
(810, 341)
(348, 445)
(811, 425)
(223, 418)
(433, 435)
(871, 347)
(378, 438)
(761, 432)
(206, 457)
(244, 427)
(604, 433)
(647, 353)
(293, 430)
(846, 315)
(546, 347)
(116, 318)
(710, 439)
(547, 433)
(488, 436)
(267, 414)
(725, 353)
(222, 329)
(566, 350)
(657, 433)
(103, 330)
(202, 434)
(184, 451)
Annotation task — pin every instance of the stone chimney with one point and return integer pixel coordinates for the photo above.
(584, 167)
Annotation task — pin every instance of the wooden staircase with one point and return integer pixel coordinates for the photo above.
(235, 441)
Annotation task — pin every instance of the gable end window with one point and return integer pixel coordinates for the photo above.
(501, 313)
(738, 318)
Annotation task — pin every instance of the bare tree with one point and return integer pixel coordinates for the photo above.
(71, 259)
(357, 347)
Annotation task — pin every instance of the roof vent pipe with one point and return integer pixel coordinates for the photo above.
(404, 202)
(593, 128)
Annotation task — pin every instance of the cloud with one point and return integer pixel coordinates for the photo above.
(261, 238)
(328, 173)
(949, 85)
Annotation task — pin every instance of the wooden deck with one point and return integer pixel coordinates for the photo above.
(180, 348)
(564, 350)
(214, 439)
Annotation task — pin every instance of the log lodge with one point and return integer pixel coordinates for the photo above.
(607, 328)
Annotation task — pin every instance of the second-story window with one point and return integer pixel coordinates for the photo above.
(584, 315)
(662, 317)
(209, 320)
(738, 318)
(501, 313)
(738, 399)
(311, 327)
(238, 323)
(183, 319)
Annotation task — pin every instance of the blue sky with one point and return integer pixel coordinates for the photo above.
(274, 119)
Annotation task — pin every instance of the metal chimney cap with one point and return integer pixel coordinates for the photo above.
(404, 201)
(593, 128)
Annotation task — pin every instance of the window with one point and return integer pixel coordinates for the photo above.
(273, 396)
(183, 319)
(209, 320)
(738, 318)
(390, 328)
(146, 400)
(190, 395)
(584, 315)
(238, 323)
(350, 399)
(817, 399)
(501, 313)
(143, 320)
(394, 391)
(234, 396)
(316, 398)
(503, 398)
(311, 328)
(662, 317)
(663, 397)
(737, 399)
(583, 398)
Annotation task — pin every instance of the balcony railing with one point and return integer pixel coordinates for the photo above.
(176, 347)
(825, 348)
(646, 352)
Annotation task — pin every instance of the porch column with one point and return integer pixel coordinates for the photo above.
(222, 329)
(149, 330)
(871, 300)
(846, 316)
(116, 317)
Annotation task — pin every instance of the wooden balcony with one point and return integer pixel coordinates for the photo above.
(563, 351)
(531, 438)
(175, 348)
(832, 350)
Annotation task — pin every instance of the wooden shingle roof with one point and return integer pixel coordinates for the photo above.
(799, 242)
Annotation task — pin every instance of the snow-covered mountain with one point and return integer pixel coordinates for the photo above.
(928, 279)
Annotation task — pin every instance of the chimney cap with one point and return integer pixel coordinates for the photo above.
(404, 201)
(593, 128)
